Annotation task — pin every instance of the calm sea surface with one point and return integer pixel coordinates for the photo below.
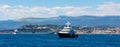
(52, 40)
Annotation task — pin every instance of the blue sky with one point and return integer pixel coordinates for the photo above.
(15, 9)
(52, 3)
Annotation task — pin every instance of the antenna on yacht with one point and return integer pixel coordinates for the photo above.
(68, 24)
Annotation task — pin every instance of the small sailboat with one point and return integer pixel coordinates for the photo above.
(15, 31)
(67, 32)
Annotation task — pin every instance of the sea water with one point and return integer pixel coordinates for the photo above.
(52, 40)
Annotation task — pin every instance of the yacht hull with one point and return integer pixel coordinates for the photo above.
(65, 35)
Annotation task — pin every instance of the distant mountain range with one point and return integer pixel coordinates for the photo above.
(61, 20)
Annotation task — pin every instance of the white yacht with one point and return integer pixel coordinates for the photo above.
(67, 32)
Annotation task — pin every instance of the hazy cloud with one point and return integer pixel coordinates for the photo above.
(15, 12)
(108, 8)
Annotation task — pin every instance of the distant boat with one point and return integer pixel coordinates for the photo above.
(67, 32)
(15, 31)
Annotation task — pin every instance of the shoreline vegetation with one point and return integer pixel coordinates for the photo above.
(56, 28)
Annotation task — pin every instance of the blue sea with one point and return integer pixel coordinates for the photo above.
(52, 40)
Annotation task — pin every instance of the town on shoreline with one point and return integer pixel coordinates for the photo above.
(56, 28)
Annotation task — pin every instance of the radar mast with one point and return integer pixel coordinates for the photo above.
(68, 24)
